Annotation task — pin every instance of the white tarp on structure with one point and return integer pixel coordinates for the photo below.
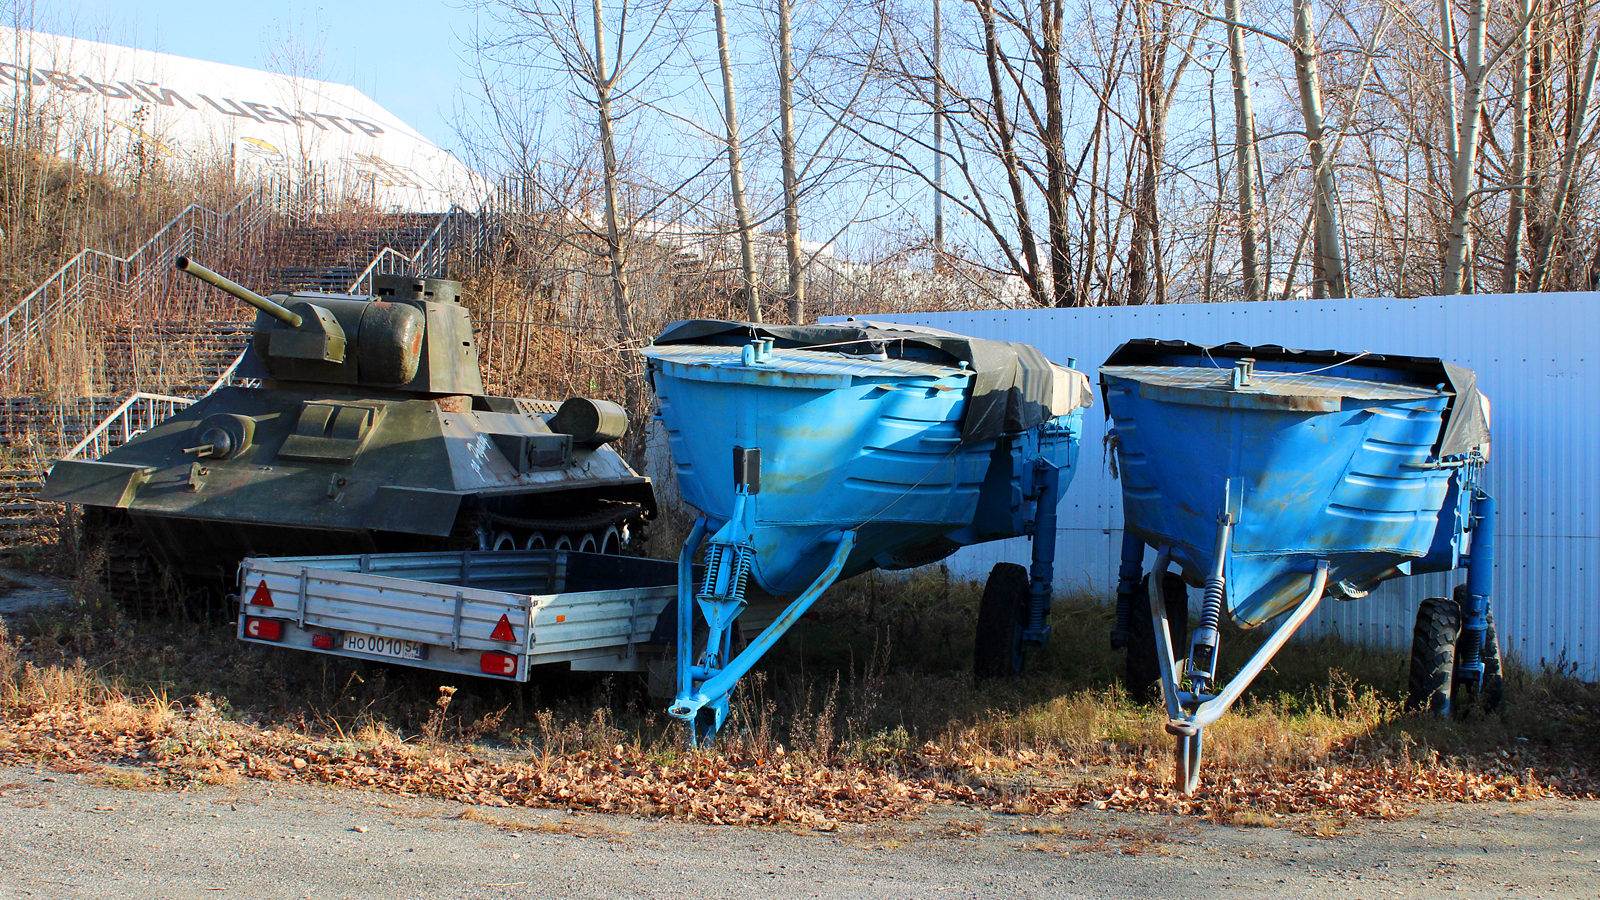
(1531, 355)
(115, 103)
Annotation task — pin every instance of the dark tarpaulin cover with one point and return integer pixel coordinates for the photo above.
(1011, 385)
(1465, 425)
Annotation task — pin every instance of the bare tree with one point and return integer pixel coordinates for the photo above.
(1244, 155)
(1329, 240)
(1158, 88)
(609, 68)
(741, 205)
(1462, 139)
(790, 163)
(1556, 220)
(1512, 263)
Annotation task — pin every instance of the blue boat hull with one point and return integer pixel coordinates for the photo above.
(879, 454)
(1353, 485)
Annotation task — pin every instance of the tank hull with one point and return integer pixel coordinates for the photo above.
(326, 471)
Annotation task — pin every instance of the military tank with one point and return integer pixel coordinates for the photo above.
(363, 428)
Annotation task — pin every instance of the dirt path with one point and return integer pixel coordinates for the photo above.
(103, 836)
(22, 591)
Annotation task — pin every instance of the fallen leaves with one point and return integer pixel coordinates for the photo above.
(730, 787)
(745, 785)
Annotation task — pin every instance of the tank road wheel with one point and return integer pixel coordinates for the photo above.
(587, 543)
(1187, 756)
(562, 542)
(997, 649)
(611, 543)
(504, 541)
(534, 541)
(1143, 670)
(1433, 654)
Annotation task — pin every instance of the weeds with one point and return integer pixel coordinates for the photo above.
(870, 710)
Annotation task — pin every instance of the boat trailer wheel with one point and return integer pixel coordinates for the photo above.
(997, 647)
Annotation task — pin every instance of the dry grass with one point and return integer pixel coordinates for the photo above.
(869, 711)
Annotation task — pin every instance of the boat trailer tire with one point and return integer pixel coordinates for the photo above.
(1433, 654)
(997, 648)
(1143, 672)
(1435, 646)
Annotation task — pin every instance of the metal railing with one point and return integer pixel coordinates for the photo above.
(131, 417)
(95, 274)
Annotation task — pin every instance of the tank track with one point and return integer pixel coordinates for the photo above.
(126, 570)
(604, 529)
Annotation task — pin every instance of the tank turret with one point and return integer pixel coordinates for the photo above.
(411, 335)
(369, 431)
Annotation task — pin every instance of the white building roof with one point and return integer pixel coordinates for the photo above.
(112, 100)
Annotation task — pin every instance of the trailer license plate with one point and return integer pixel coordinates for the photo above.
(393, 648)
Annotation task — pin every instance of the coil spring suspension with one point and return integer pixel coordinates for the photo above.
(1203, 651)
(735, 558)
(1211, 606)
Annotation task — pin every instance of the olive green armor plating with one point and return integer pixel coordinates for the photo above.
(369, 432)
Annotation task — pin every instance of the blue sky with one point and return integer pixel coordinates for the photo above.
(405, 54)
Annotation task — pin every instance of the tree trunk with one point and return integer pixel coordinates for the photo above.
(1329, 250)
(741, 207)
(791, 188)
(1519, 154)
(620, 299)
(1009, 160)
(1464, 166)
(1569, 161)
(1244, 156)
(938, 129)
(1063, 291)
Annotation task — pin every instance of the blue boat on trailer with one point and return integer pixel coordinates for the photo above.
(814, 453)
(1272, 478)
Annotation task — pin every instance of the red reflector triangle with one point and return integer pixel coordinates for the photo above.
(502, 631)
(262, 596)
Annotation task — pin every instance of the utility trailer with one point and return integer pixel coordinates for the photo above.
(491, 613)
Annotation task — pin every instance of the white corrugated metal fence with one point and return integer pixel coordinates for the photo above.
(1531, 356)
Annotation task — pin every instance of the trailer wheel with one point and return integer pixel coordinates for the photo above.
(997, 647)
(1143, 673)
(1492, 691)
(1433, 654)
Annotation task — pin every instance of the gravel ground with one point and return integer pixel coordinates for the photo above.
(66, 835)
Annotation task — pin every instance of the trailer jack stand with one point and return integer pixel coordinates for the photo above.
(1190, 711)
(706, 681)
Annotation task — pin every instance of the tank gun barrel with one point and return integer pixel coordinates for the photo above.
(228, 286)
